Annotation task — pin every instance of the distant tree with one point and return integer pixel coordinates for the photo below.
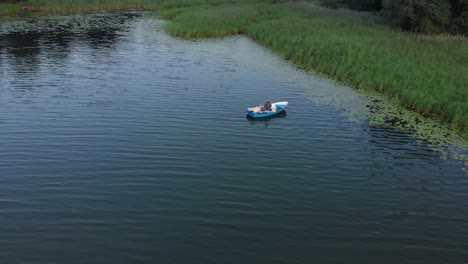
(365, 5)
(459, 13)
(362, 5)
(430, 16)
(333, 3)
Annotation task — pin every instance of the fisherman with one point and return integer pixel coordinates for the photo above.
(267, 105)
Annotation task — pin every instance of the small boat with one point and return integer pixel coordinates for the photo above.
(260, 112)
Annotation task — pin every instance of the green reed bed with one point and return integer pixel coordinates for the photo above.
(211, 22)
(8, 8)
(428, 74)
(78, 6)
(171, 4)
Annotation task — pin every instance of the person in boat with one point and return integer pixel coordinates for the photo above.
(267, 106)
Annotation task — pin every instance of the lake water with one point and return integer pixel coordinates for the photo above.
(121, 144)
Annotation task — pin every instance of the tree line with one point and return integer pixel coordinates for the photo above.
(425, 16)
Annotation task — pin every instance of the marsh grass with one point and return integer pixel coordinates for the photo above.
(8, 8)
(428, 74)
(81, 6)
(211, 22)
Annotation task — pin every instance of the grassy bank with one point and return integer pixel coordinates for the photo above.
(8, 8)
(78, 6)
(428, 74)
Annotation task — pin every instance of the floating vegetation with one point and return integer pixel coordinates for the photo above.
(376, 110)
(77, 6)
(74, 24)
(437, 135)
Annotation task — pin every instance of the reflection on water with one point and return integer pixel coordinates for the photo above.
(24, 43)
(113, 149)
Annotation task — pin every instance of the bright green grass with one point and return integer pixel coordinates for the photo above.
(226, 20)
(428, 74)
(8, 8)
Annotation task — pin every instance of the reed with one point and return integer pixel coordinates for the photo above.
(8, 8)
(211, 22)
(81, 6)
(76, 6)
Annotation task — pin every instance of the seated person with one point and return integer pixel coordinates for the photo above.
(267, 106)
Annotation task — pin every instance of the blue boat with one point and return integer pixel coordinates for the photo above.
(260, 112)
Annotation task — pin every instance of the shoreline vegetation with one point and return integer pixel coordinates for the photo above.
(424, 73)
(70, 7)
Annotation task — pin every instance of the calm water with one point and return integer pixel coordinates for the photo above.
(121, 144)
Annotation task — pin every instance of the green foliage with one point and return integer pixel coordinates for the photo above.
(333, 3)
(212, 22)
(68, 6)
(459, 23)
(431, 16)
(363, 5)
(7, 8)
(170, 4)
(64, 6)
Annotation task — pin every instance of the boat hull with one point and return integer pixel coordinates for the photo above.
(255, 112)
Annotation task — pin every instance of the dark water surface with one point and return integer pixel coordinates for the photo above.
(121, 144)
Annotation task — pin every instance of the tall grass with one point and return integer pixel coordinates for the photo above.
(211, 22)
(8, 8)
(428, 74)
(68, 6)
(75, 6)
